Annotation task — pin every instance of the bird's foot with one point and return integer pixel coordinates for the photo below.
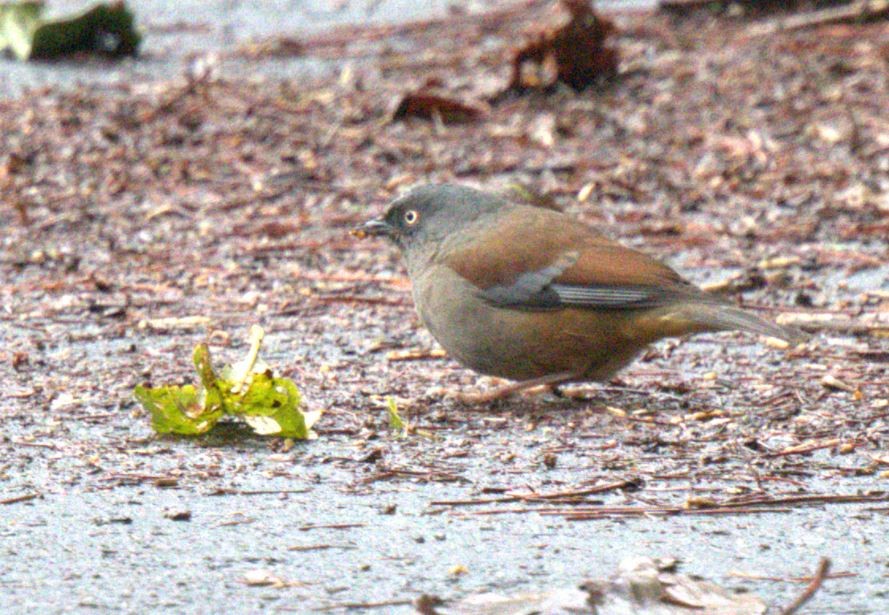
(574, 393)
(547, 382)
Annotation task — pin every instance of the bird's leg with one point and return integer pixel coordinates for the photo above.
(514, 387)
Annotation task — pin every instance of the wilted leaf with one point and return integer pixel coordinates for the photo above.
(644, 586)
(575, 53)
(429, 106)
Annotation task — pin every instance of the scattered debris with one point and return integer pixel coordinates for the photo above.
(573, 507)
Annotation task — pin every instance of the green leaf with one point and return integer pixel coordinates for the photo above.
(396, 423)
(270, 405)
(202, 362)
(106, 28)
(177, 409)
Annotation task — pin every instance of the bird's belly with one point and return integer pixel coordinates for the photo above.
(520, 344)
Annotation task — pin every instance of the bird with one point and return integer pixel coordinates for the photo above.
(535, 296)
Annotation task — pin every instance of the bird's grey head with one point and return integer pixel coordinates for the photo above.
(429, 215)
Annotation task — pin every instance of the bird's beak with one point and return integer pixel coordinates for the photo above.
(373, 228)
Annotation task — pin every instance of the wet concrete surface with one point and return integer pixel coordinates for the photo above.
(107, 531)
(117, 550)
(114, 549)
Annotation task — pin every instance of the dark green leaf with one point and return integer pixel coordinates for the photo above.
(106, 28)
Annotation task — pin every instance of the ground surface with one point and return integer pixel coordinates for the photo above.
(756, 165)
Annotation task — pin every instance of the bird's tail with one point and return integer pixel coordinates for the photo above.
(707, 316)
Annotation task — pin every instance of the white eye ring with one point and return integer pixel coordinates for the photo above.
(411, 217)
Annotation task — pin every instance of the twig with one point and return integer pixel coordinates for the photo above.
(324, 547)
(330, 526)
(349, 606)
(415, 355)
(856, 11)
(761, 577)
(20, 498)
(811, 588)
(224, 491)
(589, 514)
(539, 497)
(683, 5)
(36, 444)
(359, 299)
(806, 447)
(232, 522)
(813, 499)
(631, 511)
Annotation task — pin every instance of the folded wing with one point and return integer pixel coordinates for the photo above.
(557, 262)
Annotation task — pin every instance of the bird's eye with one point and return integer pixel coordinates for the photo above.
(411, 217)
